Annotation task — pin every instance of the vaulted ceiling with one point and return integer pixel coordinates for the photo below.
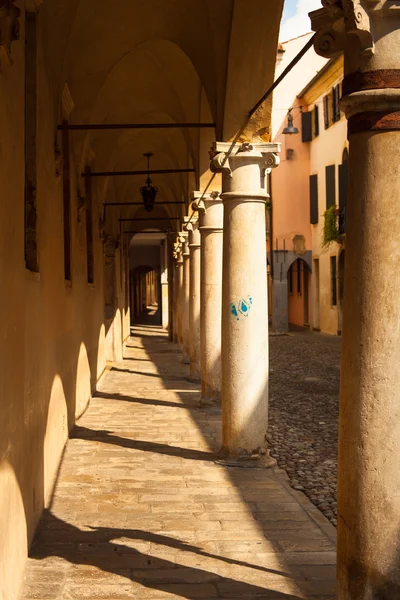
(158, 61)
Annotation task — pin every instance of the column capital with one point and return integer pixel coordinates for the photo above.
(339, 19)
(184, 237)
(194, 233)
(368, 32)
(225, 155)
(243, 168)
(201, 200)
(210, 209)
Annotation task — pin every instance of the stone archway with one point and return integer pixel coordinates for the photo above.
(298, 293)
(282, 265)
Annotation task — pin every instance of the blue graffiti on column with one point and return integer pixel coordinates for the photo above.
(241, 308)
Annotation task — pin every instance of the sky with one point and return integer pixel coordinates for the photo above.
(295, 20)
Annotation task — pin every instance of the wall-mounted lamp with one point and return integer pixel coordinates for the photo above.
(290, 129)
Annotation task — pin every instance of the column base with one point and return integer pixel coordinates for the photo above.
(210, 401)
(261, 460)
(186, 360)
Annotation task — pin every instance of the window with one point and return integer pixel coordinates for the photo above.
(316, 120)
(333, 281)
(66, 202)
(330, 173)
(290, 279)
(89, 228)
(31, 258)
(335, 103)
(343, 190)
(326, 112)
(306, 126)
(313, 199)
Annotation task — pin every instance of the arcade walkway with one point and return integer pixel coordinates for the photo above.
(142, 511)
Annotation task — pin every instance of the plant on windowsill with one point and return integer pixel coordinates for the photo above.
(331, 231)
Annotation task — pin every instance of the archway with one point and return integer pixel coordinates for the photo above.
(298, 293)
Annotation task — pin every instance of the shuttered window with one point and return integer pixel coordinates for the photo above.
(89, 228)
(335, 103)
(316, 120)
(326, 112)
(306, 126)
(333, 281)
(343, 190)
(330, 185)
(313, 199)
(31, 254)
(66, 202)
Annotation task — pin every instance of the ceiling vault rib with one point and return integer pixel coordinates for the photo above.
(124, 173)
(111, 126)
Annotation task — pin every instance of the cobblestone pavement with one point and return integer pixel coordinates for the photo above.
(142, 510)
(303, 414)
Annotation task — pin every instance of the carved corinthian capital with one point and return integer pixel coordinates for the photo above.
(225, 154)
(9, 30)
(340, 20)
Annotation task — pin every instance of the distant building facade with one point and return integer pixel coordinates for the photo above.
(306, 270)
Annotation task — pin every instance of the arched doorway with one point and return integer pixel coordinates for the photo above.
(298, 293)
(145, 295)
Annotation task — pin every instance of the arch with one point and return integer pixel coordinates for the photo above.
(14, 534)
(56, 435)
(83, 382)
(306, 258)
(298, 292)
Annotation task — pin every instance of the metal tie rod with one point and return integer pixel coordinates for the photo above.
(112, 126)
(124, 173)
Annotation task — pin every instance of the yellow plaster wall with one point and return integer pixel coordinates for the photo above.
(326, 149)
(52, 347)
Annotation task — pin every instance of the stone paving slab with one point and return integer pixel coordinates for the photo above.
(142, 510)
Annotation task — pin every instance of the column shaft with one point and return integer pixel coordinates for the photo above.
(369, 421)
(185, 302)
(178, 298)
(211, 228)
(245, 300)
(194, 300)
(369, 438)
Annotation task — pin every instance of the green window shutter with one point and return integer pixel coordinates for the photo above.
(316, 120)
(313, 199)
(330, 173)
(306, 126)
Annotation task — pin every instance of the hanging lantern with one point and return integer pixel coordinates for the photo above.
(148, 191)
(290, 129)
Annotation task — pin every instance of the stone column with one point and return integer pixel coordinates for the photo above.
(164, 286)
(178, 282)
(194, 299)
(211, 216)
(185, 299)
(244, 296)
(369, 423)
